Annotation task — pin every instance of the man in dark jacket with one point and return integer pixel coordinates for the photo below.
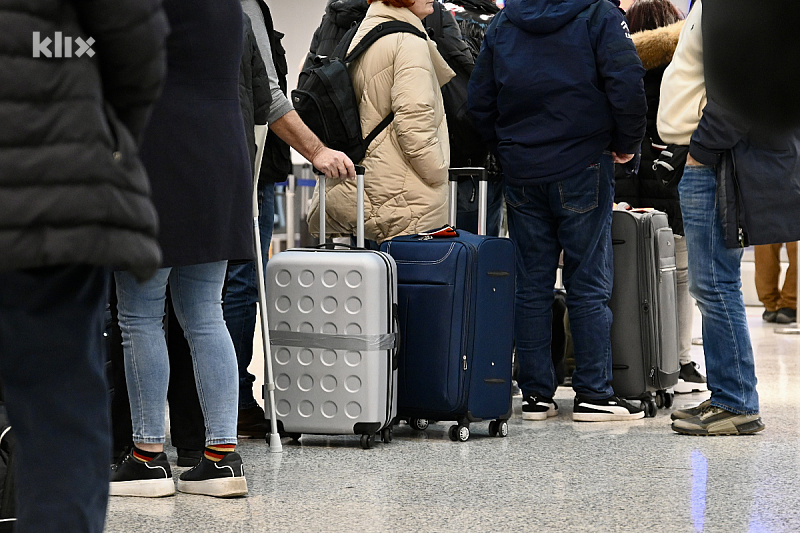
(557, 91)
(74, 201)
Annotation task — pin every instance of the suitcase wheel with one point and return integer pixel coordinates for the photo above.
(459, 433)
(367, 441)
(498, 428)
(650, 408)
(387, 434)
(664, 398)
(420, 424)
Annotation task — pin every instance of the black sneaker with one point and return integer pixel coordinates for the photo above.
(223, 479)
(769, 316)
(690, 380)
(132, 477)
(606, 410)
(538, 408)
(786, 315)
(251, 423)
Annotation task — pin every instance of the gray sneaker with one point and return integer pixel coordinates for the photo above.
(717, 421)
(681, 414)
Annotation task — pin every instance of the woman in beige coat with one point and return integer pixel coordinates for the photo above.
(406, 164)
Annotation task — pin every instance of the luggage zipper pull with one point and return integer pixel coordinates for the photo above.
(652, 376)
(464, 358)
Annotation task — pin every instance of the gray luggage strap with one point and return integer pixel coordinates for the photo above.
(331, 341)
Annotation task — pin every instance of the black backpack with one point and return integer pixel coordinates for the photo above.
(326, 101)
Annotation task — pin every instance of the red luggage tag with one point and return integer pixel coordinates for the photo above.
(444, 231)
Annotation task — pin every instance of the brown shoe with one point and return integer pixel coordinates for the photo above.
(251, 424)
(681, 414)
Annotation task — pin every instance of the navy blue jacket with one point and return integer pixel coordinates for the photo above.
(555, 85)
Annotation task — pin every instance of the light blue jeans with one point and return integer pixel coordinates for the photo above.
(715, 282)
(197, 297)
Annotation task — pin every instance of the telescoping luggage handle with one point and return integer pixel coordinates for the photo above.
(483, 194)
(360, 171)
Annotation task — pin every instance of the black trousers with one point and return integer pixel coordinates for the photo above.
(52, 368)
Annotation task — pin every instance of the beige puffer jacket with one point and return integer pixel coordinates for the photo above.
(406, 165)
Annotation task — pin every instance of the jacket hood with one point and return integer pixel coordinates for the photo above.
(345, 12)
(656, 47)
(544, 16)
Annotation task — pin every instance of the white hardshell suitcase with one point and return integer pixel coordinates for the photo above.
(333, 319)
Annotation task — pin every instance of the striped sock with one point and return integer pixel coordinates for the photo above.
(217, 452)
(143, 456)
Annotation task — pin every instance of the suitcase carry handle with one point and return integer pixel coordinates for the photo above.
(360, 171)
(483, 194)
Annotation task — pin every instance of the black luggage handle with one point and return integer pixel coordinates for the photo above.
(483, 194)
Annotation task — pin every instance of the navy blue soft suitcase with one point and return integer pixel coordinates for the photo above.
(456, 313)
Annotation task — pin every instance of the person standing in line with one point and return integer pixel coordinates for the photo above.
(655, 27)
(195, 152)
(74, 203)
(407, 163)
(557, 90)
(691, 114)
(780, 304)
(286, 129)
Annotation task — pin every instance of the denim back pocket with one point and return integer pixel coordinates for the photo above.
(515, 196)
(580, 193)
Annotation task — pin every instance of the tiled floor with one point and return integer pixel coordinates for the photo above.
(546, 476)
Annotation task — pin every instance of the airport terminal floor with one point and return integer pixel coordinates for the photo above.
(550, 476)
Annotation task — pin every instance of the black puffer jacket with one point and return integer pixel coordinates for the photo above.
(254, 94)
(72, 189)
(339, 16)
(643, 188)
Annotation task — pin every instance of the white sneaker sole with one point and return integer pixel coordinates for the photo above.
(544, 415)
(606, 417)
(686, 387)
(143, 488)
(226, 487)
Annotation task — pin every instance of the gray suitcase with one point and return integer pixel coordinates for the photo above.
(644, 332)
(333, 320)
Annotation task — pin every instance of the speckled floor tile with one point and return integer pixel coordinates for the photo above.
(546, 476)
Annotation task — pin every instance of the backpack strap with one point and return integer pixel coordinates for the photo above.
(381, 30)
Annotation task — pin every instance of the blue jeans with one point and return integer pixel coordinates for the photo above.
(573, 214)
(715, 282)
(197, 298)
(241, 299)
(52, 364)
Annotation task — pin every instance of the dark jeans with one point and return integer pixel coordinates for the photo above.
(241, 298)
(52, 366)
(573, 214)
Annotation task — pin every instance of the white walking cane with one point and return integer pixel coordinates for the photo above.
(274, 439)
(796, 329)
